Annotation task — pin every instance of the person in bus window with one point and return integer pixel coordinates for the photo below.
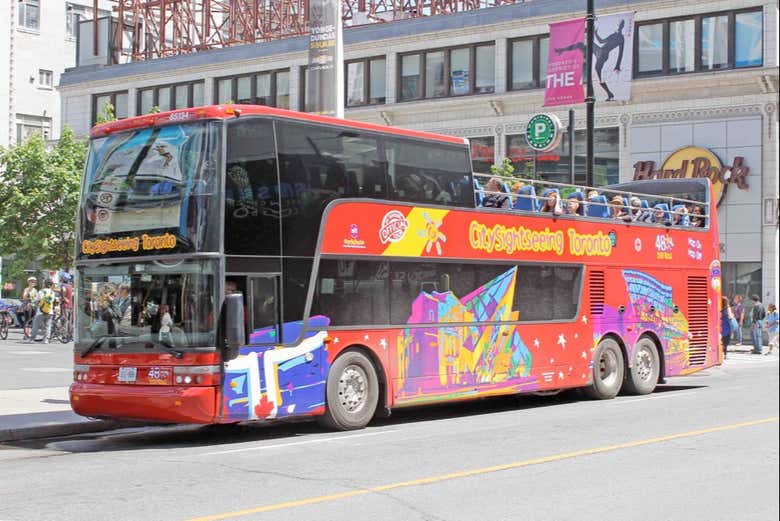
(552, 202)
(574, 204)
(493, 196)
(635, 209)
(617, 210)
(680, 216)
(659, 215)
(697, 218)
(165, 324)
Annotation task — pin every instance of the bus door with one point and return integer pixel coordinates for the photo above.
(262, 303)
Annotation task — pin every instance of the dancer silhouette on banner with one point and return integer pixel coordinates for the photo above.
(602, 52)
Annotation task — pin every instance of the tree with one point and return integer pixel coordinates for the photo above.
(107, 114)
(39, 194)
(505, 169)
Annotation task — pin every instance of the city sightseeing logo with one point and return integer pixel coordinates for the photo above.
(354, 240)
(394, 226)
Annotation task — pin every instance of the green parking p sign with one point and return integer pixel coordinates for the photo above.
(543, 132)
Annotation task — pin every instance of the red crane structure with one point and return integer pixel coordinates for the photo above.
(157, 28)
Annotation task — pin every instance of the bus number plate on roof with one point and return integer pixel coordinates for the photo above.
(127, 374)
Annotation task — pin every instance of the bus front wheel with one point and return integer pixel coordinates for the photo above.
(352, 392)
(608, 370)
(642, 377)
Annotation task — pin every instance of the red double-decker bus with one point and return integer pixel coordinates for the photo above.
(245, 263)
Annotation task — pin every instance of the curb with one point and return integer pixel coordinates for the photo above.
(63, 429)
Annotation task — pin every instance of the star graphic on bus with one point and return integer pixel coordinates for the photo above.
(536, 342)
(584, 319)
(562, 341)
(432, 234)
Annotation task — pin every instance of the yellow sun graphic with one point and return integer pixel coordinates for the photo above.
(432, 234)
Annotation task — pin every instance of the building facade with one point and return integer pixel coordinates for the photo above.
(37, 43)
(705, 79)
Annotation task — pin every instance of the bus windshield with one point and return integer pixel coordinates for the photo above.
(161, 182)
(144, 305)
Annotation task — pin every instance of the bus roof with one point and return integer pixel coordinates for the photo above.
(231, 111)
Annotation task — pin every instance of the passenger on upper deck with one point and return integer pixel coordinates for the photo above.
(635, 209)
(516, 186)
(697, 217)
(574, 204)
(659, 214)
(495, 199)
(592, 194)
(552, 202)
(680, 216)
(617, 210)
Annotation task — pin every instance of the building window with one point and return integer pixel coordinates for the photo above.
(266, 88)
(117, 100)
(748, 39)
(706, 42)
(482, 153)
(528, 63)
(27, 126)
(554, 165)
(365, 82)
(29, 14)
(73, 14)
(170, 97)
(447, 72)
(45, 78)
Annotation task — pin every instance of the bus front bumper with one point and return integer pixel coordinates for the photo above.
(165, 404)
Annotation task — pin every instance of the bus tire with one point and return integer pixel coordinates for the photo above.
(608, 368)
(351, 394)
(642, 377)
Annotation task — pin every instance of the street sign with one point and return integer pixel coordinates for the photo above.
(543, 132)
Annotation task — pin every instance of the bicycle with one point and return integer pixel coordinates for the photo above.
(63, 328)
(5, 321)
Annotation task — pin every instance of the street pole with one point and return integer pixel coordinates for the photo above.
(590, 100)
(571, 146)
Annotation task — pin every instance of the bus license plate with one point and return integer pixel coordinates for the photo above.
(127, 374)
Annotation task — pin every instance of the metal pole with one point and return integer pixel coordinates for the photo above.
(590, 101)
(571, 146)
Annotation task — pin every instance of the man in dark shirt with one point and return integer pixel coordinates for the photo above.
(757, 325)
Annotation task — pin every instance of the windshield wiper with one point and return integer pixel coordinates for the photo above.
(94, 345)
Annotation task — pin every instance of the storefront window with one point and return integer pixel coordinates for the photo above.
(482, 153)
(554, 165)
(748, 32)
(682, 38)
(715, 42)
(742, 278)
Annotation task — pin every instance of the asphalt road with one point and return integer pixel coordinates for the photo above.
(703, 447)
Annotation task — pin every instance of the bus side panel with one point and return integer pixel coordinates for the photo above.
(267, 382)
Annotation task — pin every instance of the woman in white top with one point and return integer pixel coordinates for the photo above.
(165, 324)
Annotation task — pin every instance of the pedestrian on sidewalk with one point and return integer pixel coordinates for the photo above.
(758, 315)
(725, 324)
(739, 313)
(771, 327)
(46, 300)
(29, 297)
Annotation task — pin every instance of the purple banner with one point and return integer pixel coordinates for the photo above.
(565, 63)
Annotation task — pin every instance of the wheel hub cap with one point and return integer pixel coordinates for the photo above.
(608, 367)
(352, 388)
(644, 365)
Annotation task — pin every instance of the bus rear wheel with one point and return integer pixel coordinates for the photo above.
(352, 392)
(608, 367)
(642, 377)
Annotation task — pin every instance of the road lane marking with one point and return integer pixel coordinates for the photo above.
(673, 394)
(306, 442)
(475, 472)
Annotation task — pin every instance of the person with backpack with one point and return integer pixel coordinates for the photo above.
(27, 311)
(758, 315)
(46, 300)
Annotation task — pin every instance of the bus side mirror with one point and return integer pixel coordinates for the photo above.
(235, 331)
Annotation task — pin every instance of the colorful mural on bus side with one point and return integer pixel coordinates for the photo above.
(454, 360)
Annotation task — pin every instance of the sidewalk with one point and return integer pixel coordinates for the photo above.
(41, 412)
